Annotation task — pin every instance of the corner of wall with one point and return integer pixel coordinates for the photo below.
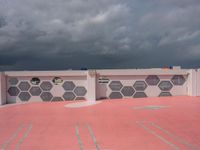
(192, 82)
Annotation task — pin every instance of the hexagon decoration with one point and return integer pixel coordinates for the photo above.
(69, 96)
(13, 81)
(165, 94)
(46, 85)
(24, 86)
(128, 91)
(13, 91)
(80, 91)
(115, 95)
(115, 85)
(35, 81)
(139, 95)
(140, 85)
(80, 98)
(68, 85)
(35, 91)
(178, 80)
(57, 99)
(46, 96)
(152, 80)
(165, 85)
(57, 80)
(24, 96)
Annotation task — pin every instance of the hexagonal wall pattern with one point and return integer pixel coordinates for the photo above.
(46, 85)
(69, 96)
(139, 95)
(24, 86)
(115, 95)
(13, 91)
(152, 80)
(57, 99)
(115, 85)
(35, 91)
(165, 85)
(140, 85)
(46, 96)
(68, 85)
(80, 91)
(13, 81)
(24, 96)
(165, 94)
(178, 80)
(128, 91)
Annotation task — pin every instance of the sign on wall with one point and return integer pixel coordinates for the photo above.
(103, 80)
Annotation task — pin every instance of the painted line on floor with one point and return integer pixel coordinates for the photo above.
(182, 141)
(79, 137)
(7, 143)
(93, 137)
(24, 137)
(158, 136)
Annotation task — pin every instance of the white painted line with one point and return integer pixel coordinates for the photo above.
(93, 137)
(79, 137)
(158, 136)
(7, 143)
(24, 137)
(182, 141)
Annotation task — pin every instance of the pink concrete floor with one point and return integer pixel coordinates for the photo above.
(111, 125)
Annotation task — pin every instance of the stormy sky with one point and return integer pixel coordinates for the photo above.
(64, 34)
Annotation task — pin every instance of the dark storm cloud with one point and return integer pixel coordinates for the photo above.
(66, 34)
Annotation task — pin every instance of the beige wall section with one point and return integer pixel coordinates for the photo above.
(95, 90)
(198, 82)
(192, 83)
(2, 88)
(91, 85)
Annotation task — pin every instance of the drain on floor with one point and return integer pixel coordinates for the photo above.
(151, 107)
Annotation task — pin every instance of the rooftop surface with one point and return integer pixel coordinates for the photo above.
(141, 124)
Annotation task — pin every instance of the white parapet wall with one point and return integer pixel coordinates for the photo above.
(198, 83)
(91, 85)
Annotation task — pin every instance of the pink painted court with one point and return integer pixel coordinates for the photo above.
(141, 123)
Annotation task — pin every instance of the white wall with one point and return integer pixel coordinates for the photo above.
(198, 82)
(95, 90)
(3, 88)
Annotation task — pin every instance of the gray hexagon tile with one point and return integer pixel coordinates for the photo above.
(80, 98)
(115, 95)
(13, 81)
(35, 91)
(13, 91)
(115, 85)
(68, 85)
(152, 80)
(128, 91)
(165, 85)
(80, 91)
(140, 85)
(57, 99)
(69, 96)
(24, 96)
(139, 95)
(46, 96)
(24, 86)
(46, 85)
(178, 80)
(165, 94)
